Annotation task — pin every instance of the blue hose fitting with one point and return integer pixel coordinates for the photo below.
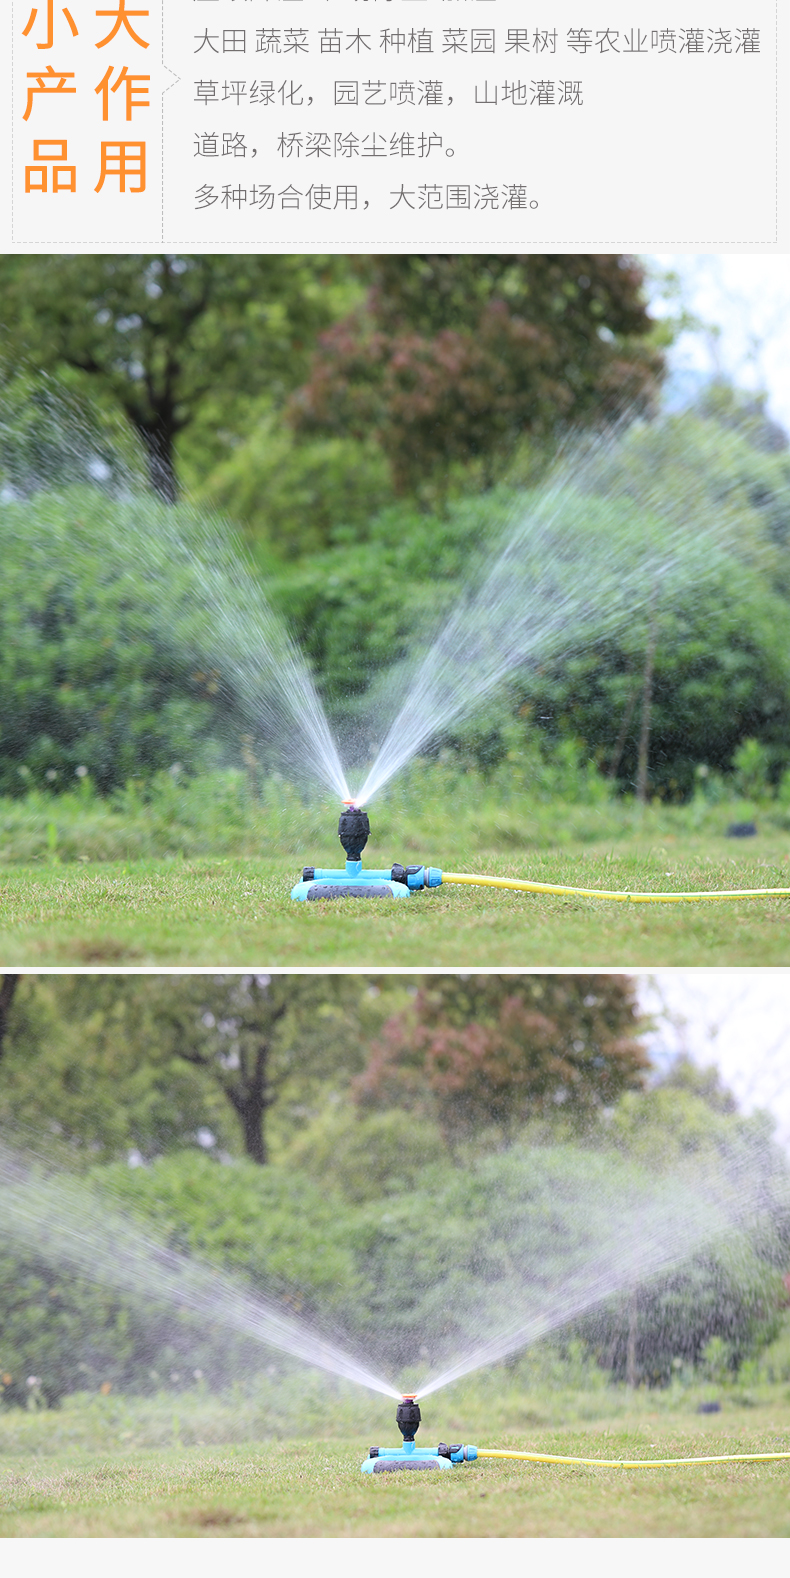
(417, 877)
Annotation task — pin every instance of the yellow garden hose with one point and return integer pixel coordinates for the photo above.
(621, 898)
(638, 1462)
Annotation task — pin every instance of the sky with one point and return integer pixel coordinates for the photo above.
(737, 1019)
(742, 303)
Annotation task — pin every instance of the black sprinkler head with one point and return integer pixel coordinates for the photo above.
(353, 830)
(408, 1416)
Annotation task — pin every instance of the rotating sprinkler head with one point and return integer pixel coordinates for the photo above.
(408, 1416)
(353, 830)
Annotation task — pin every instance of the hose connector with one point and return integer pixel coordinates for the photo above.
(415, 878)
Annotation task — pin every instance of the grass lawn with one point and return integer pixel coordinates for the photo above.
(237, 911)
(296, 1488)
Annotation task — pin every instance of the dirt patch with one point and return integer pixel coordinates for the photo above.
(96, 949)
(216, 1517)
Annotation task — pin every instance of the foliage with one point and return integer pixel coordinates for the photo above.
(258, 1034)
(159, 334)
(722, 674)
(52, 437)
(111, 666)
(730, 1297)
(84, 1072)
(431, 1267)
(722, 666)
(294, 499)
(61, 1334)
(536, 799)
(752, 764)
(117, 1065)
(71, 1333)
(366, 1155)
(273, 1225)
(94, 678)
(453, 357)
(482, 1051)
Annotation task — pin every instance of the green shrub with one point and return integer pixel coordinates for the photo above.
(752, 765)
(296, 498)
(366, 1157)
(92, 674)
(408, 1279)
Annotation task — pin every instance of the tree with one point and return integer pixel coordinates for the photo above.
(84, 1078)
(99, 1066)
(497, 1050)
(240, 1019)
(253, 1032)
(452, 358)
(160, 333)
(8, 987)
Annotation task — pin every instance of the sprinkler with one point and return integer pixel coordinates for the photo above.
(398, 882)
(389, 1460)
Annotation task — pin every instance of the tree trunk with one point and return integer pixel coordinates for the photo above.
(158, 442)
(7, 990)
(630, 1359)
(251, 1098)
(647, 703)
(251, 1109)
(623, 735)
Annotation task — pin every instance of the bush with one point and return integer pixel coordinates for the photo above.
(277, 1229)
(722, 667)
(297, 498)
(528, 1239)
(132, 638)
(366, 1158)
(93, 676)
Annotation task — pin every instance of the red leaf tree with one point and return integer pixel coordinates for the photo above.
(453, 358)
(494, 1050)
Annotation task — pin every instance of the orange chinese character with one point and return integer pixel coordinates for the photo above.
(132, 102)
(50, 24)
(122, 159)
(49, 81)
(50, 152)
(122, 20)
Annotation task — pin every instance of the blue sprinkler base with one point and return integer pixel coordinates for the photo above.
(386, 1460)
(359, 884)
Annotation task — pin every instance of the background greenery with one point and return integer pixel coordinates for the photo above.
(394, 1233)
(369, 425)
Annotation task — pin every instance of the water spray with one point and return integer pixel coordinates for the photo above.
(388, 1460)
(399, 882)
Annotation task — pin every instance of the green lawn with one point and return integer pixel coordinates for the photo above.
(312, 1489)
(238, 912)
